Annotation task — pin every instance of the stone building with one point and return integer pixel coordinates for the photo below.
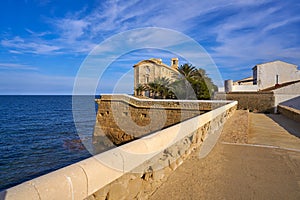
(147, 71)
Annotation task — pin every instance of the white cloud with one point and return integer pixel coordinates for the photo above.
(238, 31)
(281, 23)
(30, 46)
(72, 29)
(14, 66)
(15, 52)
(249, 35)
(36, 34)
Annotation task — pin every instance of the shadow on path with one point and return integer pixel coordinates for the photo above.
(289, 125)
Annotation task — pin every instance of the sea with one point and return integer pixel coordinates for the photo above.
(38, 135)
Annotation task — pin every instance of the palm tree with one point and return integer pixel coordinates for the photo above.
(192, 83)
(207, 83)
(162, 81)
(177, 89)
(187, 71)
(139, 89)
(154, 88)
(164, 84)
(198, 80)
(160, 87)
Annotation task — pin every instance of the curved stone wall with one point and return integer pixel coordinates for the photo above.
(123, 118)
(132, 170)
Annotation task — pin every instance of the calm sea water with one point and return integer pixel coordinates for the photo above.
(37, 136)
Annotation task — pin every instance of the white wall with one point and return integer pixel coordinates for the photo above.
(266, 73)
(221, 89)
(244, 88)
(287, 93)
(229, 87)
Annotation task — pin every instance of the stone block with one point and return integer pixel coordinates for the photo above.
(117, 192)
(158, 174)
(67, 183)
(134, 187)
(23, 191)
(173, 166)
(98, 174)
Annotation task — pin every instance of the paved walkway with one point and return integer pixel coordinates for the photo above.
(262, 166)
(274, 130)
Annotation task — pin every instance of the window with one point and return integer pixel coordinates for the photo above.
(147, 79)
(255, 76)
(147, 70)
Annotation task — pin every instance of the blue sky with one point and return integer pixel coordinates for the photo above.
(43, 42)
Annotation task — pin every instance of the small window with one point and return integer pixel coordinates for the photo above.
(147, 70)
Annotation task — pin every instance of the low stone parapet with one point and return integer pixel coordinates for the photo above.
(289, 112)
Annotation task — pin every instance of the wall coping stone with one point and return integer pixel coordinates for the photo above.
(126, 96)
(289, 112)
(163, 103)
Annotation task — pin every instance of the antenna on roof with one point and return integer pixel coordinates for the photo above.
(277, 80)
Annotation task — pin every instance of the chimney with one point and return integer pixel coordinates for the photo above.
(174, 63)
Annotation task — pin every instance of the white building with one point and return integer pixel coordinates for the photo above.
(277, 72)
(265, 75)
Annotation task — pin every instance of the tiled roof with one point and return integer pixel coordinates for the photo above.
(279, 86)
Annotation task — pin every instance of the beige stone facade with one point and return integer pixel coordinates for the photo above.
(147, 71)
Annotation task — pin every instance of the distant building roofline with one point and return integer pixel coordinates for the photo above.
(156, 61)
(274, 61)
(279, 86)
(244, 80)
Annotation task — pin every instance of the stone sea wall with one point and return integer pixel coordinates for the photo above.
(123, 118)
(253, 101)
(131, 171)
